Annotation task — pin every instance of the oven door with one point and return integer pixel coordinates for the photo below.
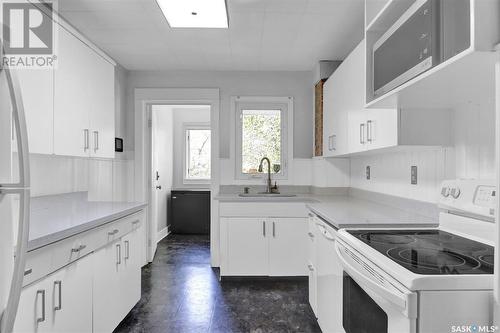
(373, 302)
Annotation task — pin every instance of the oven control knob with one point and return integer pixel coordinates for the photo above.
(445, 192)
(455, 193)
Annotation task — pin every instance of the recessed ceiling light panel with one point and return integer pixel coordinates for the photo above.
(195, 13)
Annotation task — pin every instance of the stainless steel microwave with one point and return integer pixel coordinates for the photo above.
(428, 33)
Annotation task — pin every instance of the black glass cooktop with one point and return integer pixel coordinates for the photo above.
(430, 252)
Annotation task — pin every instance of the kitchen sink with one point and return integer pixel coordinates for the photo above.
(267, 195)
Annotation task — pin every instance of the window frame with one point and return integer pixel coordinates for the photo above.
(185, 164)
(285, 104)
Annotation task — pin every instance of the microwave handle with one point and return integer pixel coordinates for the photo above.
(405, 302)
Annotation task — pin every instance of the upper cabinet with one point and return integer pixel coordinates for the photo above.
(342, 92)
(430, 53)
(84, 101)
(70, 110)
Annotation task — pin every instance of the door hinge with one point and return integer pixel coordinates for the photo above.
(150, 123)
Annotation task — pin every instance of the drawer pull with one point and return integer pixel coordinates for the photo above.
(58, 284)
(311, 268)
(135, 222)
(310, 234)
(114, 232)
(28, 272)
(42, 294)
(78, 249)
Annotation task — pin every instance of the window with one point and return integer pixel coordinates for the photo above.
(197, 153)
(261, 131)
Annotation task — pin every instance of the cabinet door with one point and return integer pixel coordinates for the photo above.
(37, 89)
(381, 128)
(313, 289)
(102, 110)
(288, 246)
(130, 277)
(70, 297)
(107, 310)
(330, 143)
(247, 247)
(357, 131)
(71, 98)
(33, 313)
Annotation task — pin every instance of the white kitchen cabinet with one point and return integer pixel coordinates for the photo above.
(264, 246)
(374, 129)
(311, 264)
(37, 90)
(107, 308)
(130, 279)
(342, 92)
(247, 246)
(71, 97)
(288, 246)
(61, 302)
(83, 100)
(102, 109)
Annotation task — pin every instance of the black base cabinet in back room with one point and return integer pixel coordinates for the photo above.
(191, 212)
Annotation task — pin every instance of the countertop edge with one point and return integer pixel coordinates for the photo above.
(43, 241)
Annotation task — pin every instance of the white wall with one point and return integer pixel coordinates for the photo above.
(163, 158)
(182, 116)
(296, 84)
(472, 156)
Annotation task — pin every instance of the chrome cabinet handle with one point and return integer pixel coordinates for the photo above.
(114, 232)
(310, 215)
(42, 294)
(274, 229)
(369, 131)
(264, 228)
(127, 250)
(362, 134)
(310, 234)
(58, 284)
(78, 249)
(118, 254)
(135, 223)
(86, 139)
(96, 140)
(311, 268)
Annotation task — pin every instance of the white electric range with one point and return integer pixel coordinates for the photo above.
(424, 280)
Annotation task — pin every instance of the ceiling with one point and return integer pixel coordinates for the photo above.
(287, 35)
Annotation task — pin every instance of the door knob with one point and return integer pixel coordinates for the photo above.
(158, 187)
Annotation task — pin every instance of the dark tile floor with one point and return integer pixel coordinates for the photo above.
(182, 293)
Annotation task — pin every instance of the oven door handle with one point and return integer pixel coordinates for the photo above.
(404, 300)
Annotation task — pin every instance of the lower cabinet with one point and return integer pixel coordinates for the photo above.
(92, 294)
(264, 246)
(61, 302)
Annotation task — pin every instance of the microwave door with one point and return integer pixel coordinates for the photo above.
(14, 197)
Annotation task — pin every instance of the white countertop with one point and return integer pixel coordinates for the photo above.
(343, 211)
(56, 217)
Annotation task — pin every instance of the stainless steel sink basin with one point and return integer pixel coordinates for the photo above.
(267, 195)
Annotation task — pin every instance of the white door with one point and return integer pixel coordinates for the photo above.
(381, 128)
(107, 294)
(71, 97)
(247, 246)
(154, 187)
(37, 88)
(102, 110)
(69, 301)
(288, 247)
(33, 313)
(357, 131)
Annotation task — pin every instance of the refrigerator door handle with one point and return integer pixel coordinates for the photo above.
(19, 119)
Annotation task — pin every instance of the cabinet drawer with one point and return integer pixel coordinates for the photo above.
(38, 265)
(268, 209)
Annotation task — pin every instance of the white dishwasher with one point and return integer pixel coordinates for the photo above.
(329, 279)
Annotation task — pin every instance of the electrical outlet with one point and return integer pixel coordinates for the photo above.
(414, 175)
(368, 172)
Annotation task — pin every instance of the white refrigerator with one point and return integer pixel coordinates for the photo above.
(14, 196)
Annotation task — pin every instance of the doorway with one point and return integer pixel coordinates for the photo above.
(180, 173)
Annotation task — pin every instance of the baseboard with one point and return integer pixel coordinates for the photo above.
(163, 233)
